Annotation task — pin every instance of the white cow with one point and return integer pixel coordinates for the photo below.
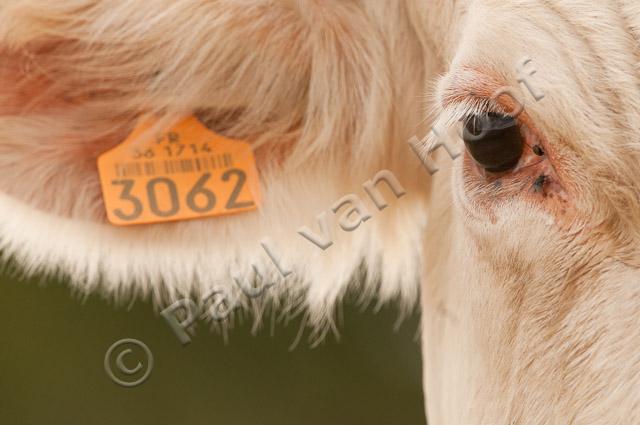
(526, 245)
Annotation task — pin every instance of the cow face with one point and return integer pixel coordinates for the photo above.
(529, 317)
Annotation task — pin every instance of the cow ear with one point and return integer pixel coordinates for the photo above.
(312, 96)
(79, 75)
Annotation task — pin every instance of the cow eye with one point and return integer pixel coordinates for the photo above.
(493, 140)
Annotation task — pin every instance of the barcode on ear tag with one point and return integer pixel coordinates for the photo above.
(185, 173)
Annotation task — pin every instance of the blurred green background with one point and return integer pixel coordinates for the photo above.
(54, 343)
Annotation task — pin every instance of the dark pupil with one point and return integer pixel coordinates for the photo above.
(493, 140)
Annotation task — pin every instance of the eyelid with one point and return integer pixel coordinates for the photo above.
(467, 91)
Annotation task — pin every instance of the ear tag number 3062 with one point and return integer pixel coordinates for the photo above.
(185, 173)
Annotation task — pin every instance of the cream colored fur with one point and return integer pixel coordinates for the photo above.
(327, 96)
(530, 311)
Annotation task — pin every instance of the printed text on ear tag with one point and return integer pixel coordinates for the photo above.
(184, 173)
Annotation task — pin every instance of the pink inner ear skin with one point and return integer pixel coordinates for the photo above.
(48, 168)
(61, 177)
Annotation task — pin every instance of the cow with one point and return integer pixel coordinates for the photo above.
(519, 238)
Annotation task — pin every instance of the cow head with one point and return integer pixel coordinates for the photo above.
(530, 250)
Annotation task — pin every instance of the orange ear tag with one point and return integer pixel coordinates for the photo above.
(185, 173)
